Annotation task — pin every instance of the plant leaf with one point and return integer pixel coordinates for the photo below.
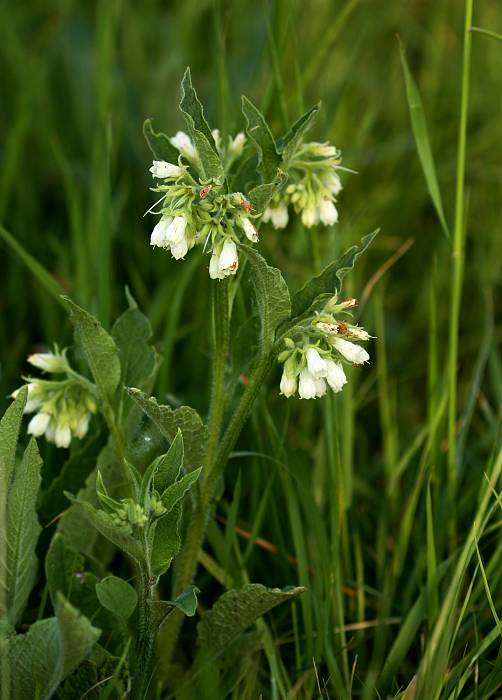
(170, 464)
(19, 536)
(272, 296)
(329, 281)
(117, 596)
(99, 350)
(261, 195)
(259, 132)
(200, 133)
(174, 493)
(159, 144)
(296, 133)
(168, 420)
(235, 611)
(421, 136)
(10, 426)
(166, 541)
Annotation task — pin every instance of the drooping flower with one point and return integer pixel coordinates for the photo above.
(316, 364)
(162, 169)
(183, 143)
(277, 214)
(328, 213)
(52, 362)
(159, 238)
(229, 260)
(249, 229)
(350, 351)
(336, 376)
(307, 386)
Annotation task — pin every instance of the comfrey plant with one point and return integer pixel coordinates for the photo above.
(151, 473)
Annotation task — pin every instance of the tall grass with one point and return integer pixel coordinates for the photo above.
(384, 501)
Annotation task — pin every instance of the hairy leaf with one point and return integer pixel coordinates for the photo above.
(168, 420)
(174, 493)
(159, 144)
(40, 659)
(200, 133)
(272, 296)
(117, 596)
(166, 541)
(10, 426)
(19, 536)
(329, 281)
(119, 535)
(295, 135)
(99, 350)
(170, 464)
(235, 611)
(261, 195)
(259, 132)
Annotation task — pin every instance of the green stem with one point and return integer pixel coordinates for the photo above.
(457, 272)
(146, 636)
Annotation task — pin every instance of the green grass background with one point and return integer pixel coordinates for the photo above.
(351, 492)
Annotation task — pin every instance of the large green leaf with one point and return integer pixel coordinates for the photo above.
(99, 350)
(40, 659)
(10, 426)
(19, 536)
(200, 133)
(329, 281)
(235, 611)
(168, 420)
(170, 464)
(259, 132)
(272, 296)
(132, 333)
(296, 133)
(160, 145)
(117, 596)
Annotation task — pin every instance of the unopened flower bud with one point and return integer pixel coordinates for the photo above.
(162, 169)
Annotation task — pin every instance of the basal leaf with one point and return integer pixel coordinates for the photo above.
(9, 433)
(329, 281)
(295, 135)
(272, 296)
(19, 536)
(117, 596)
(168, 420)
(159, 144)
(235, 611)
(99, 350)
(259, 132)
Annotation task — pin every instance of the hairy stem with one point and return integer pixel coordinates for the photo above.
(146, 636)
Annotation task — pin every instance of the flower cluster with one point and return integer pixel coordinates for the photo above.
(126, 512)
(63, 406)
(199, 213)
(314, 360)
(313, 186)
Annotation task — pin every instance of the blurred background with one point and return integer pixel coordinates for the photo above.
(79, 78)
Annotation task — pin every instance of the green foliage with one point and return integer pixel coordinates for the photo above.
(20, 530)
(297, 132)
(235, 611)
(159, 144)
(117, 596)
(51, 650)
(258, 130)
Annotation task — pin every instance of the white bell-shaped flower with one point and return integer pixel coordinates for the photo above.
(159, 237)
(249, 229)
(316, 364)
(38, 424)
(327, 212)
(162, 169)
(183, 143)
(229, 261)
(288, 384)
(336, 376)
(352, 352)
(307, 386)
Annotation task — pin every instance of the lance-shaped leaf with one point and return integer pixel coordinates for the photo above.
(261, 195)
(168, 420)
(329, 281)
(259, 132)
(166, 541)
(119, 535)
(235, 611)
(52, 649)
(199, 131)
(174, 493)
(295, 135)
(272, 296)
(10, 426)
(169, 465)
(117, 596)
(19, 536)
(99, 350)
(160, 144)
